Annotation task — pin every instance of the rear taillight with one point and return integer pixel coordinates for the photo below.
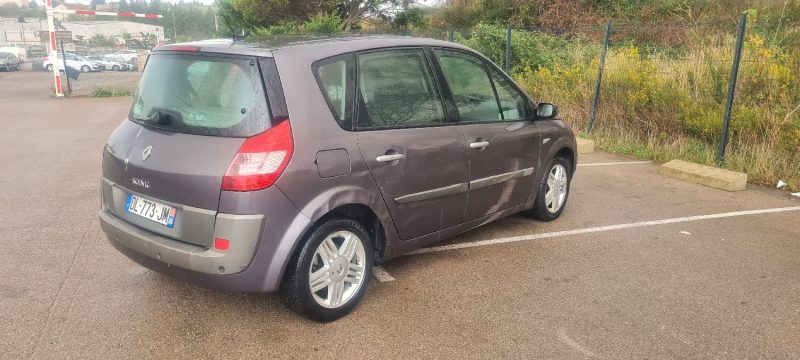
(260, 160)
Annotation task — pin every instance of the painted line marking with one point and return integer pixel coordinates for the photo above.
(600, 229)
(616, 163)
(381, 274)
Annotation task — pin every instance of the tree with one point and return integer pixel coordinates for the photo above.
(264, 13)
(413, 18)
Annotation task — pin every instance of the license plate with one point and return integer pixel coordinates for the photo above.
(151, 210)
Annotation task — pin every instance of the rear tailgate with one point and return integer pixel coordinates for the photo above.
(190, 115)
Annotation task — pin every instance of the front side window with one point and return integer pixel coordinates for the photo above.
(513, 104)
(213, 96)
(397, 89)
(470, 85)
(481, 93)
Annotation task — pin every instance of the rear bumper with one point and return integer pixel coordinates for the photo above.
(260, 245)
(243, 232)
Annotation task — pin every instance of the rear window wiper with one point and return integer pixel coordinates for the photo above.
(163, 117)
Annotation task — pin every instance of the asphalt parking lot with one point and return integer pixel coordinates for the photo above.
(639, 266)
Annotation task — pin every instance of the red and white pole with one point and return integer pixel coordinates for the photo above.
(53, 50)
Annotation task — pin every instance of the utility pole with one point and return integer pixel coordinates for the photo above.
(216, 23)
(174, 28)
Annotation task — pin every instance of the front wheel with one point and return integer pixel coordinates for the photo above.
(553, 191)
(115, 68)
(49, 67)
(331, 271)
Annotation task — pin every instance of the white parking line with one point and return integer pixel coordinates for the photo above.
(600, 229)
(616, 163)
(381, 274)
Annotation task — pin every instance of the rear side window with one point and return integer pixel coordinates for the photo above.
(203, 95)
(397, 89)
(335, 79)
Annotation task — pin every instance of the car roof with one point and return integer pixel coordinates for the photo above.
(323, 45)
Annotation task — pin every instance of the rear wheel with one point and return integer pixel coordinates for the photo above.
(115, 68)
(330, 272)
(553, 191)
(85, 68)
(49, 67)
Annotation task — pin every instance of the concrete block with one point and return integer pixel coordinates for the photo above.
(705, 175)
(585, 146)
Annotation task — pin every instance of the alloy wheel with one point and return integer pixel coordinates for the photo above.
(557, 185)
(337, 269)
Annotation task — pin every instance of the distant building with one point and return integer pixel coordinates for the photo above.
(18, 2)
(114, 29)
(12, 32)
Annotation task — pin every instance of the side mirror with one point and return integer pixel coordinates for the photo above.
(546, 111)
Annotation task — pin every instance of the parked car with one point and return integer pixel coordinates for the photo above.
(295, 168)
(74, 61)
(109, 64)
(9, 61)
(127, 55)
(127, 65)
(20, 53)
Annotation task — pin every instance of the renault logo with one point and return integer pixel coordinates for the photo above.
(147, 152)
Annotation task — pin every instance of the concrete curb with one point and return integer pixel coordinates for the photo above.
(705, 175)
(585, 146)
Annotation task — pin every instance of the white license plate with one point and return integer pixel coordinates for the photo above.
(151, 210)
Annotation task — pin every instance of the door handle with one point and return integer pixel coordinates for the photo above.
(389, 158)
(480, 145)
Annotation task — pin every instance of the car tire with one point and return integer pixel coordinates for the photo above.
(85, 68)
(553, 191)
(335, 249)
(115, 68)
(49, 67)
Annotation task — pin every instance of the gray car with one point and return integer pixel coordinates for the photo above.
(9, 61)
(295, 167)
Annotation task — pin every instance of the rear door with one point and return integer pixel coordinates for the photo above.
(503, 140)
(418, 160)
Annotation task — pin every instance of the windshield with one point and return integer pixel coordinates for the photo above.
(203, 95)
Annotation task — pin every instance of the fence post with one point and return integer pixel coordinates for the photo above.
(64, 59)
(726, 118)
(597, 83)
(508, 49)
(450, 35)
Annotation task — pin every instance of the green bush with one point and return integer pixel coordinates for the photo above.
(278, 29)
(104, 92)
(528, 49)
(324, 24)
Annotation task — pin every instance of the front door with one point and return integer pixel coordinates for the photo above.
(502, 138)
(418, 159)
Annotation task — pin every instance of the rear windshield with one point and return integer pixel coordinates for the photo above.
(203, 95)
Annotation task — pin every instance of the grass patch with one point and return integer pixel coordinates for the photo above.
(661, 107)
(761, 162)
(104, 92)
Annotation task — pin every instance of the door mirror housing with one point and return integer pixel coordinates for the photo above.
(546, 111)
